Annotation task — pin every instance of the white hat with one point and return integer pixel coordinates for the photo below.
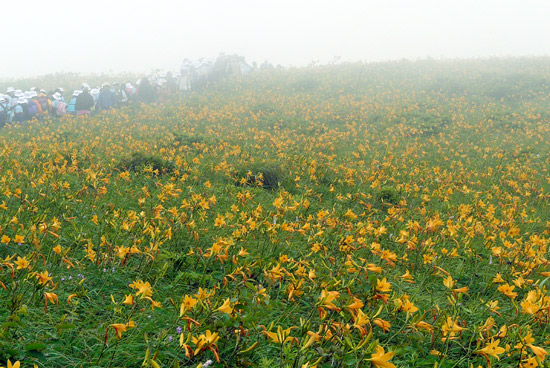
(34, 94)
(10, 89)
(129, 85)
(28, 94)
(18, 93)
(94, 91)
(2, 98)
(57, 96)
(77, 92)
(61, 89)
(105, 84)
(85, 85)
(22, 100)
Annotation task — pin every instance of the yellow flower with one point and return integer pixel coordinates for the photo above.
(120, 328)
(226, 307)
(43, 278)
(143, 288)
(383, 286)
(450, 327)
(204, 341)
(22, 263)
(128, 300)
(384, 325)
(449, 282)
(19, 239)
(507, 290)
(188, 304)
(530, 362)
(492, 349)
(380, 358)
(5, 239)
(14, 365)
(539, 352)
(281, 336)
(327, 298)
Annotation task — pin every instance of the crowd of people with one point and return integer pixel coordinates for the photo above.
(18, 106)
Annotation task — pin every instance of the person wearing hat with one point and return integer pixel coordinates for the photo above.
(106, 99)
(71, 106)
(20, 110)
(60, 90)
(84, 102)
(44, 102)
(58, 104)
(95, 94)
(32, 109)
(121, 98)
(11, 101)
(39, 112)
(3, 111)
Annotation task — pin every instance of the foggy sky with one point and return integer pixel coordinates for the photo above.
(85, 36)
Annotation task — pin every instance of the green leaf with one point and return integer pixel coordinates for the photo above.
(35, 346)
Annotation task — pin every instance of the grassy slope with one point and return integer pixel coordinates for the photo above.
(430, 157)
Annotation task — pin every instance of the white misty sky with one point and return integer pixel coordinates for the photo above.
(118, 35)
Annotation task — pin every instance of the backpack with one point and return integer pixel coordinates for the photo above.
(32, 110)
(61, 108)
(43, 101)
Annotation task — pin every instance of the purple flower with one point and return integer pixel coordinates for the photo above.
(169, 338)
(179, 330)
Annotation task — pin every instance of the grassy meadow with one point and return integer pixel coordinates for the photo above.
(354, 215)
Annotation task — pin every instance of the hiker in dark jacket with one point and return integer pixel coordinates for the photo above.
(146, 92)
(84, 102)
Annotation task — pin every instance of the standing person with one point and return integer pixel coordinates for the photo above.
(95, 94)
(58, 104)
(39, 112)
(130, 91)
(171, 83)
(121, 98)
(11, 100)
(106, 99)
(146, 92)
(61, 91)
(19, 110)
(71, 106)
(84, 102)
(45, 102)
(32, 109)
(3, 111)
